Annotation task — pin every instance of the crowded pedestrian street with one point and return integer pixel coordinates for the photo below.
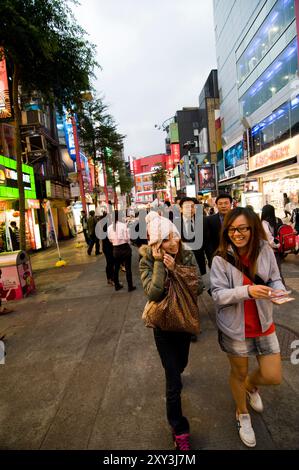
(149, 232)
(82, 371)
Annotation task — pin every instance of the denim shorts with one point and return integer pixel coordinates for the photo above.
(258, 346)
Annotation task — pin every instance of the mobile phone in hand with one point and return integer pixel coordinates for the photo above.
(280, 294)
(282, 300)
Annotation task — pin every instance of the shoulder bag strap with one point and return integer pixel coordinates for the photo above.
(257, 279)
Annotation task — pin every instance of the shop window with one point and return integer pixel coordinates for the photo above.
(294, 111)
(280, 17)
(281, 123)
(282, 71)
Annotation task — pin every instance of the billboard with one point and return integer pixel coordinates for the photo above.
(207, 177)
(234, 156)
(5, 106)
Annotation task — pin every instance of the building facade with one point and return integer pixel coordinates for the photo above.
(257, 58)
(143, 169)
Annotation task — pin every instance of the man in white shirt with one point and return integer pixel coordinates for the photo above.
(118, 235)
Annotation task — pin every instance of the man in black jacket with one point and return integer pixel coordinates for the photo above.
(213, 224)
(188, 230)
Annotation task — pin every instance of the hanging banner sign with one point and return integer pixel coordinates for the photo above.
(5, 106)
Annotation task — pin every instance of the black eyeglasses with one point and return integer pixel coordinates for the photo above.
(232, 230)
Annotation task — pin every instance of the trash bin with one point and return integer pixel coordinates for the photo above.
(16, 280)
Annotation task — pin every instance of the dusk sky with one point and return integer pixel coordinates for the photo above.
(156, 55)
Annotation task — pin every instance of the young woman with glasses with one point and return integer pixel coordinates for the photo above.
(244, 282)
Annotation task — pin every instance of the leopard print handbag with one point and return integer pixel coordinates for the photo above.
(178, 311)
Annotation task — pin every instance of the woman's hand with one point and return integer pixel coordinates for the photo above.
(169, 262)
(157, 253)
(260, 292)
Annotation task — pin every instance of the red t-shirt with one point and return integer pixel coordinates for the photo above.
(253, 326)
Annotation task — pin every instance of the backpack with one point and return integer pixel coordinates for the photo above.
(287, 238)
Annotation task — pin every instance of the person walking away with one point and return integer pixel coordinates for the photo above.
(270, 225)
(295, 219)
(212, 225)
(102, 234)
(118, 235)
(83, 222)
(162, 256)
(286, 201)
(93, 239)
(14, 236)
(295, 222)
(244, 282)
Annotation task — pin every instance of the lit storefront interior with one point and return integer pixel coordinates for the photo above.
(9, 205)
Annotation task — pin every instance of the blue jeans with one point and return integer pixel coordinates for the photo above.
(173, 348)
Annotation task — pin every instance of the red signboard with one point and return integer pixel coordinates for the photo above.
(175, 153)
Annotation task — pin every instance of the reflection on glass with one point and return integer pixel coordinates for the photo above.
(282, 14)
(282, 124)
(282, 71)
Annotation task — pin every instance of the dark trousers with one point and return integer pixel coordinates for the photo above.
(108, 253)
(173, 348)
(200, 259)
(94, 240)
(122, 255)
(85, 232)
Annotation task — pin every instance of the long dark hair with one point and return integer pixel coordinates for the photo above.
(268, 214)
(257, 234)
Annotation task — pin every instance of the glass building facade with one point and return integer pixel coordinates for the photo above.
(257, 59)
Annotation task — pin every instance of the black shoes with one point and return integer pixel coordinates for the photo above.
(120, 286)
(130, 289)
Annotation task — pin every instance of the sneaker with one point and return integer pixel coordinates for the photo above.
(182, 441)
(245, 429)
(4, 310)
(255, 400)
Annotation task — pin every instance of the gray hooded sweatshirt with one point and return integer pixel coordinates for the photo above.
(229, 293)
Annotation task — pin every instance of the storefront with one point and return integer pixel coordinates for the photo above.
(58, 196)
(277, 169)
(9, 206)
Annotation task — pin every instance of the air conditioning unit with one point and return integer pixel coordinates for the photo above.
(36, 143)
(31, 117)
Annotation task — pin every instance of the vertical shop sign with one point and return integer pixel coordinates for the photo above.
(5, 106)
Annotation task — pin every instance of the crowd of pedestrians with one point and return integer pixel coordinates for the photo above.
(240, 250)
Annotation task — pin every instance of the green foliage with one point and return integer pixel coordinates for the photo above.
(103, 142)
(159, 178)
(42, 38)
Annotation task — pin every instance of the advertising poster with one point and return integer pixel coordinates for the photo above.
(207, 177)
(234, 156)
(10, 288)
(26, 278)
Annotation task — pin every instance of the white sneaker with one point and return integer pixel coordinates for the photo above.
(245, 429)
(255, 400)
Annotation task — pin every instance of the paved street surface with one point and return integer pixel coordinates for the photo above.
(82, 371)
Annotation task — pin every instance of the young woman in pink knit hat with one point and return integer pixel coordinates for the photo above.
(162, 255)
